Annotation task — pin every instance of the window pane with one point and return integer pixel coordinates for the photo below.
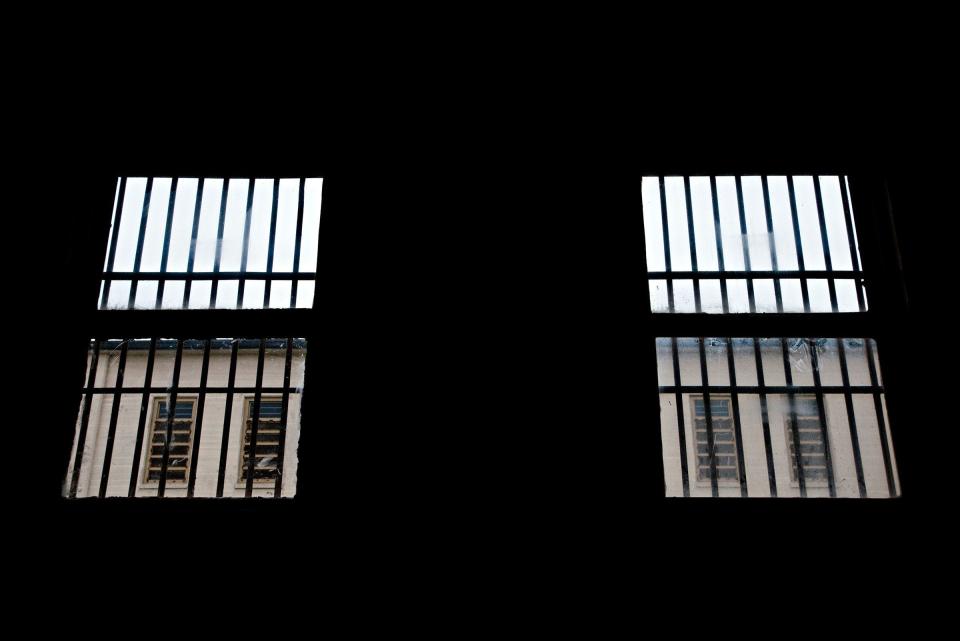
(785, 417)
(736, 244)
(131, 445)
(189, 243)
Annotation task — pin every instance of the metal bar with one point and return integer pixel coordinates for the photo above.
(765, 418)
(171, 415)
(198, 431)
(708, 415)
(171, 203)
(851, 241)
(796, 239)
(284, 408)
(735, 401)
(684, 473)
(214, 276)
(745, 246)
(255, 422)
(227, 415)
(84, 419)
(666, 240)
(112, 429)
(193, 390)
(296, 244)
(273, 237)
(692, 237)
(138, 257)
(881, 422)
(851, 418)
(219, 250)
(792, 417)
(825, 241)
(141, 425)
(719, 238)
(194, 234)
(821, 410)
(114, 235)
(771, 389)
(246, 241)
(731, 274)
(771, 241)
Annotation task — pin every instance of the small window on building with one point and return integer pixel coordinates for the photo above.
(268, 444)
(178, 433)
(805, 431)
(718, 427)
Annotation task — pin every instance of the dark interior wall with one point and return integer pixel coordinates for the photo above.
(479, 374)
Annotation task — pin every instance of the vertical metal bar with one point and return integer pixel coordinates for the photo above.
(246, 241)
(792, 418)
(799, 245)
(851, 417)
(85, 418)
(171, 417)
(219, 249)
(734, 397)
(692, 237)
(171, 203)
(765, 418)
(745, 246)
(114, 415)
(851, 241)
(831, 282)
(114, 235)
(719, 237)
(227, 415)
(284, 405)
(708, 415)
(881, 422)
(141, 425)
(771, 241)
(684, 473)
(194, 234)
(821, 410)
(198, 430)
(273, 237)
(255, 421)
(666, 246)
(138, 257)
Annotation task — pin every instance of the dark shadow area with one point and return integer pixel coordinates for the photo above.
(481, 377)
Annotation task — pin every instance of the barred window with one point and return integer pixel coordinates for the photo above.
(179, 251)
(771, 413)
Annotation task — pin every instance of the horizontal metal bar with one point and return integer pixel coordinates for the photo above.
(755, 274)
(771, 389)
(189, 390)
(200, 344)
(140, 276)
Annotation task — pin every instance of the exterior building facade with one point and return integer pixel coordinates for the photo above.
(209, 435)
(802, 412)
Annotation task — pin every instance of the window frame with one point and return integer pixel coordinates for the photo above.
(248, 401)
(885, 290)
(97, 324)
(145, 456)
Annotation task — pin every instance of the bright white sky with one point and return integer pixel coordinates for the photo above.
(206, 244)
(756, 239)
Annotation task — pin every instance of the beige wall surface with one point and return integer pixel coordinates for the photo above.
(869, 431)
(208, 462)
